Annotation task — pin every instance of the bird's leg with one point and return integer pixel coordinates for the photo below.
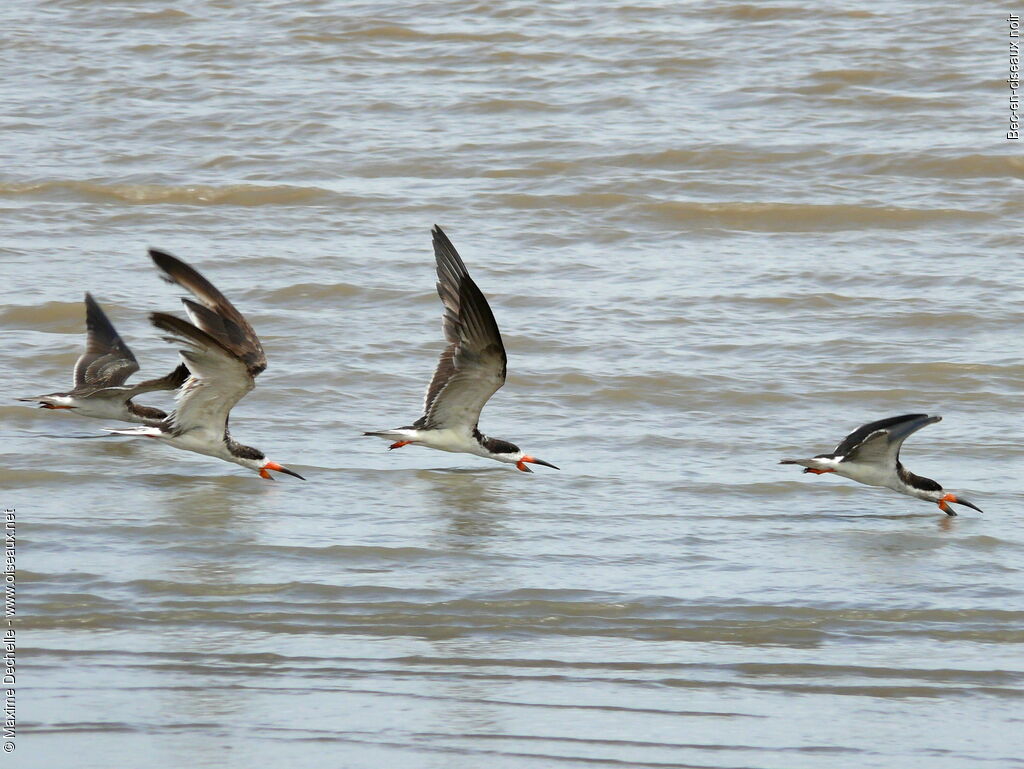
(398, 445)
(816, 471)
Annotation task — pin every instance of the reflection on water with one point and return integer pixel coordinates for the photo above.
(468, 492)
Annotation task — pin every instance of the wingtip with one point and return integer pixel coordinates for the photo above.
(157, 253)
(450, 267)
(165, 262)
(158, 256)
(440, 238)
(92, 307)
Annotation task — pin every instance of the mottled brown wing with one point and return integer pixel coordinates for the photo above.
(472, 368)
(214, 314)
(107, 361)
(219, 378)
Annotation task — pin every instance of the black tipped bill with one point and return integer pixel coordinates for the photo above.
(264, 471)
(548, 464)
(965, 503)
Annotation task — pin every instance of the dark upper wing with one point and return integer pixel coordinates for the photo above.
(107, 361)
(881, 440)
(214, 314)
(472, 367)
(862, 432)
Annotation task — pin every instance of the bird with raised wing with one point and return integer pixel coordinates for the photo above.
(224, 356)
(470, 371)
(871, 455)
(101, 372)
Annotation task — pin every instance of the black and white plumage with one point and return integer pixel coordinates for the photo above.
(224, 356)
(471, 369)
(101, 372)
(871, 455)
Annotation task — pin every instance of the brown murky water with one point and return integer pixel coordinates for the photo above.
(714, 234)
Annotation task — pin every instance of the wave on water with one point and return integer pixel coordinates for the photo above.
(371, 610)
(803, 217)
(753, 216)
(750, 12)
(60, 317)
(397, 32)
(192, 194)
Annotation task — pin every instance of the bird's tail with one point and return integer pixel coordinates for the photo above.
(813, 465)
(390, 435)
(808, 464)
(151, 432)
(803, 462)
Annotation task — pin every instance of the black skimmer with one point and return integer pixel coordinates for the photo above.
(100, 374)
(871, 455)
(224, 356)
(470, 371)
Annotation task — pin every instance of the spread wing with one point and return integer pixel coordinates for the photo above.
(472, 366)
(171, 381)
(214, 314)
(881, 441)
(219, 378)
(107, 361)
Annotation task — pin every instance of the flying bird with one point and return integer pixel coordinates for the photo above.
(100, 373)
(871, 455)
(224, 356)
(470, 371)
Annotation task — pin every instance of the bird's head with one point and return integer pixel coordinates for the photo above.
(521, 458)
(504, 451)
(256, 460)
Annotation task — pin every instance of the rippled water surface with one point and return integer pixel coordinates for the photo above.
(714, 234)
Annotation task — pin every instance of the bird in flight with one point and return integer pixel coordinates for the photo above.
(470, 371)
(101, 372)
(871, 455)
(224, 356)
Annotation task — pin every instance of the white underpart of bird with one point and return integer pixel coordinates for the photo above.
(471, 369)
(224, 356)
(99, 390)
(871, 455)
